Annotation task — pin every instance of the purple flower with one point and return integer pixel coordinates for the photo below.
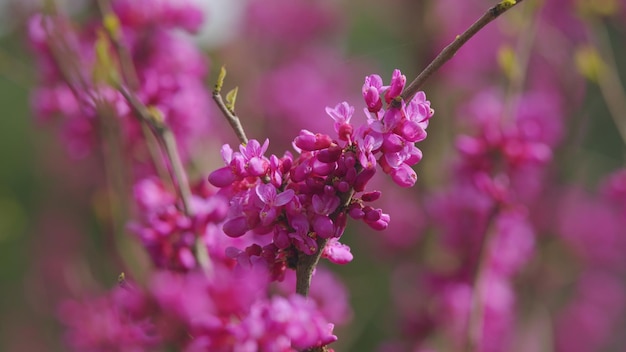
(324, 204)
(272, 200)
(368, 142)
(303, 241)
(256, 163)
(419, 110)
(310, 141)
(398, 80)
(372, 88)
(341, 114)
(336, 252)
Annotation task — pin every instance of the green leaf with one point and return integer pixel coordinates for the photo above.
(231, 97)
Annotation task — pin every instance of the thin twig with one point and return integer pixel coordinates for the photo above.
(228, 112)
(129, 77)
(112, 27)
(232, 119)
(168, 141)
(475, 318)
(179, 176)
(155, 122)
(448, 52)
(155, 153)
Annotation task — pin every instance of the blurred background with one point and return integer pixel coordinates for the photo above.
(558, 66)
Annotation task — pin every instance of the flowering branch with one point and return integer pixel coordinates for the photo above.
(150, 119)
(448, 52)
(112, 28)
(307, 263)
(154, 119)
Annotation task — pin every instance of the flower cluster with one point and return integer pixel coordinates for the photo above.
(167, 73)
(300, 200)
(169, 234)
(224, 312)
(502, 222)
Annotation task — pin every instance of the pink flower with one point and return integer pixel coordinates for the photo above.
(310, 141)
(336, 252)
(272, 201)
(372, 88)
(341, 114)
(398, 80)
(256, 163)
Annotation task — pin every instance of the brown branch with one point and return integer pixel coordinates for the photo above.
(232, 119)
(448, 52)
(307, 263)
(306, 267)
(168, 142)
(179, 176)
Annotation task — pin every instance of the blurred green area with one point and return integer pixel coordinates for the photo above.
(20, 184)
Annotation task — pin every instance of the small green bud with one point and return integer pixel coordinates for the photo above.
(220, 79)
(231, 98)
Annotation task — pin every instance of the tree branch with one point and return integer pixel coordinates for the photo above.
(448, 52)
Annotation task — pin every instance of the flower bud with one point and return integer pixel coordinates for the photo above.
(363, 178)
(308, 141)
(404, 176)
(222, 177)
(371, 196)
(356, 212)
(322, 168)
(236, 227)
(330, 154)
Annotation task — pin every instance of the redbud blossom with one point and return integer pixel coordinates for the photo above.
(336, 252)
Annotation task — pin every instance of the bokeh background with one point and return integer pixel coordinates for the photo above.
(290, 59)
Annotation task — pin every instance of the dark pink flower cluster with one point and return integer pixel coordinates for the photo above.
(305, 198)
(391, 133)
(167, 233)
(225, 311)
(169, 72)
